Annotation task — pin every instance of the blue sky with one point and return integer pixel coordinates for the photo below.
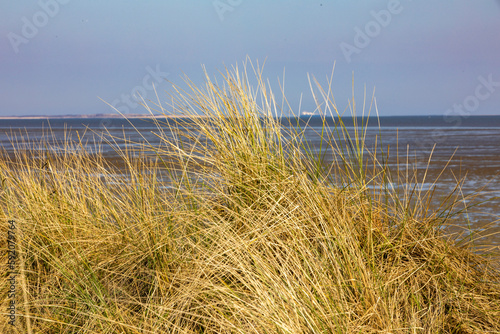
(422, 57)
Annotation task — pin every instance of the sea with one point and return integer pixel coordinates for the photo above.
(443, 149)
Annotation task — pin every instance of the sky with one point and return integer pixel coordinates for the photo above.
(61, 57)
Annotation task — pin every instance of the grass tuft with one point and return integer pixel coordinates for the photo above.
(234, 224)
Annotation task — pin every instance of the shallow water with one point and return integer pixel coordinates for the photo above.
(471, 153)
(474, 146)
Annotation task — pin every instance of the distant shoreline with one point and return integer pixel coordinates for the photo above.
(92, 116)
(433, 121)
(305, 115)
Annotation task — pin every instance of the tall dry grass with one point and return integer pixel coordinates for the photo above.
(234, 225)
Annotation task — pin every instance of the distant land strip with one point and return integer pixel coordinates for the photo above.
(93, 116)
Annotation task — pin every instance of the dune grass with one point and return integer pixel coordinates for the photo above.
(234, 225)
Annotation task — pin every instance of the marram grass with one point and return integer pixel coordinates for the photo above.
(234, 225)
